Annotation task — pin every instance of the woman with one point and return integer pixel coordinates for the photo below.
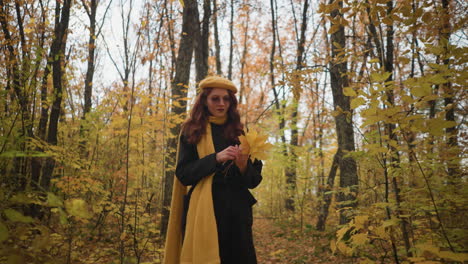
(212, 222)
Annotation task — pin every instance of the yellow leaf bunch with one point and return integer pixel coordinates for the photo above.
(255, 145)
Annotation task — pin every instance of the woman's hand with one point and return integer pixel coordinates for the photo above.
(241, 159)
(229, 153)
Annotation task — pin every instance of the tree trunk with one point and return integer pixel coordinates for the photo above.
(88, 86)
(386, 57)
(216, 38)
(344, 125)
(292, 163)
(58, 71)
(324, 204)
(91, 51)
(453, 164)
(182, 76)
(201, 41)
(278, 106)
(395, 158)
(231, 43)
(244, 58)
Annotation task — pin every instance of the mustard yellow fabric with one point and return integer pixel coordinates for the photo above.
(174, 228)
(217, 82)
(200, 245)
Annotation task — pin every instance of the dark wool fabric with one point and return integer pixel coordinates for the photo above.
(231, 198)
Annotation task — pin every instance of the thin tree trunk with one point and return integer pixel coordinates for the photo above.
(170, 33)
(244, 57)
(91, 54)
(231, 43)
(279, 107)
(395, 158)
(123, 206)
(326, 190)
(88, 88)
(453, 164)
(201, 41)
(216, 38)
(155, 52)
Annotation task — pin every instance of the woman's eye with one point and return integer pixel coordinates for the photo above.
(218, 99)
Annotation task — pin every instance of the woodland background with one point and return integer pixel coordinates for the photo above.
(364, 101)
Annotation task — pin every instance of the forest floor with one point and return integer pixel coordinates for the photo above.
(280, 243)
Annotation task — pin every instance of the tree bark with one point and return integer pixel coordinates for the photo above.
(324, 204)
(344, 125)
(201, 41)
(88, 91)
(216, 38)
(231, 43)
(244, 58)
(453, 164)
(88, 85)
(292, 164)
(58, 56)
(395, 158)
(182, 76)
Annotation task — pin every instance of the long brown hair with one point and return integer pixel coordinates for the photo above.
(195, 126)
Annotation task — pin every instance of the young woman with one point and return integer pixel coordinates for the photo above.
(212, 222)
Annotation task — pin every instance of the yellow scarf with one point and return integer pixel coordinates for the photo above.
(200, 244)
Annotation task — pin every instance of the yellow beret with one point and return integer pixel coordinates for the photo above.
(217, 82)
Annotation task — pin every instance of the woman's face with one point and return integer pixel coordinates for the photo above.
(218, 102)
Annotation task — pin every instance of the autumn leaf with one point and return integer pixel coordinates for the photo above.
(356, 102)
(77, 208)
(429, 247)
(255, 144)
(344, 248)
(16, 216)
(360, 221)
(53, 200)
(3, 232)
(360, 239)
(348, 91)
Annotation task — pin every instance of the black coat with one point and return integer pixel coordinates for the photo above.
(231, 198)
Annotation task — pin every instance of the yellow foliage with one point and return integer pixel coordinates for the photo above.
(77, 208)
(344, 248)
(333, 245)
(16, 216)
(356, 102)
(360, 239)
(360, 220)
(431, 248)
(341, 232)
(3, 232)
(255, 145)
(436, 126)
(380, 77)
(348, 91)
(277, 252)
